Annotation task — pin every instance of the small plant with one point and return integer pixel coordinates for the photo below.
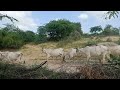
(90, 43)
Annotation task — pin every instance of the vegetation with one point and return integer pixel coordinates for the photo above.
(111, 14)
(95, 30)
(59, 30)
(62, 32)
(12, 71)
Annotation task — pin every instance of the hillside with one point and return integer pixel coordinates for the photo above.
(34, 52)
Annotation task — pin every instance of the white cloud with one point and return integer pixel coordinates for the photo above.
(83, 16)
(99, 15)
(26, 21)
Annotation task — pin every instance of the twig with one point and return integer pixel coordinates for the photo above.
(37, 67)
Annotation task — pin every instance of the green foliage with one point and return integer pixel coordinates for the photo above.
(111, 14)
(95, 30)
(86, 35)
(74, 36)
(41, 36)
(40, 39)
(58, 30)
(109, 30)
(12, 37)
(90, 43)
(30, 36)
(11, 41)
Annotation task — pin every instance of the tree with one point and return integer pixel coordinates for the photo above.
(111, 14)
(96, 30)
(77, 26)
(6, 16)
(10, 37)
(41, 34)
(110, 30)
(58, 30)
(30, 36)
(107, 30)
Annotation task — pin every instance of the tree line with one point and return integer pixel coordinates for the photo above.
(56, 30)
(13, 37)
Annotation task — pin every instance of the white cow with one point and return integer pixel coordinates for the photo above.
(11, 56)
(114, 50)
(3, 55)
(95, 51)
(53, 52)
(70, 54)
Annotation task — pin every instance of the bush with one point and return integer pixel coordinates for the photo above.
(9, 42)
(40, 39)
(90, 43)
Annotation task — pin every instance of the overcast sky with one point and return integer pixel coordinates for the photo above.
(30, 20)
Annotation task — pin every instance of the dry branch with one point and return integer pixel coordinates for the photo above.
(37, 67)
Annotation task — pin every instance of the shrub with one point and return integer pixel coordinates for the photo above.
(90, 43)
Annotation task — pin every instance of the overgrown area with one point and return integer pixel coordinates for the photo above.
(95, 71)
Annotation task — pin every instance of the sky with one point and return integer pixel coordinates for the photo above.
(30, 20)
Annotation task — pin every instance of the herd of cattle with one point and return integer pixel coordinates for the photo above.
(100, 51)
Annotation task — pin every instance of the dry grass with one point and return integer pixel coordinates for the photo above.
(114, 38)
(34, 52)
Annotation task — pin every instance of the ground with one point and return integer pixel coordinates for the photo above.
(33, 55)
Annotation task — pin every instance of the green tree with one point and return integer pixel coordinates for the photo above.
(10, 37)
(30, 36)
(110, 30)
(58, 30)
(107, 30)
(96, 30)
(77, 27)
(41, 35)
(111, 14)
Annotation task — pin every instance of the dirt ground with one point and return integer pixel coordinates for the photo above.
(32, 55)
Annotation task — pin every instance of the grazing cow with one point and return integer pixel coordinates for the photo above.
(95, 51)
(70, 54)
(11, 56)
(114, 50)
(53, 52)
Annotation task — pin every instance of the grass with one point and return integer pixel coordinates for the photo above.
(31, 51)
(34, 52)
